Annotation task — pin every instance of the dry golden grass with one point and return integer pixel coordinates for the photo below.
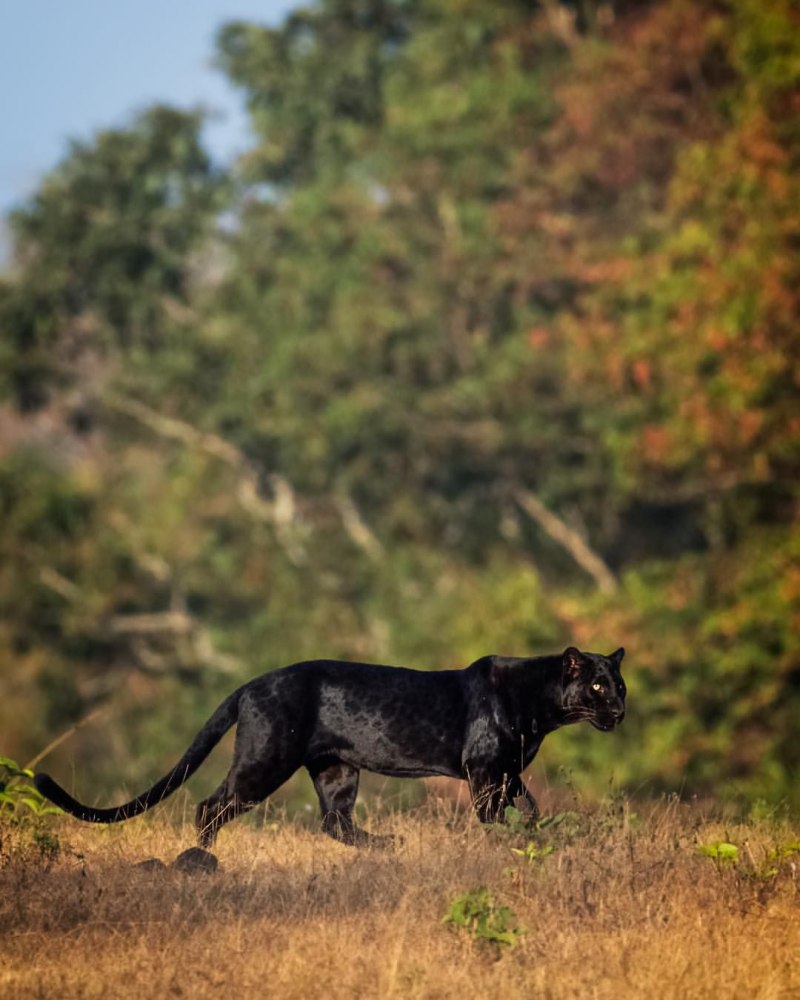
(623, 907)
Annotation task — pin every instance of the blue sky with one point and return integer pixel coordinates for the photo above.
(69, 67)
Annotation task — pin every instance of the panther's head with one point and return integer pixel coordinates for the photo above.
(593, 688)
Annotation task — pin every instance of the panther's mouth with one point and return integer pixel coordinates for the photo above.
(604, 725)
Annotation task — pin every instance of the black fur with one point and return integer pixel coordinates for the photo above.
(484, 724)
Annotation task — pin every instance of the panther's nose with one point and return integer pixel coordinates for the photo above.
(618, 715)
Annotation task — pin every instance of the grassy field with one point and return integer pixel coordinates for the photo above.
(613, 901)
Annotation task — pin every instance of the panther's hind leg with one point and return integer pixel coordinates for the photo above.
(336, 784)
(242, 789)
(266, 753)
(217, 810)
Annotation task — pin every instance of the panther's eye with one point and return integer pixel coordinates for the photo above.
(597, 687)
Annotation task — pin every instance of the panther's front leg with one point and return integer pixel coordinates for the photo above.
(493, 791)
(489, 790)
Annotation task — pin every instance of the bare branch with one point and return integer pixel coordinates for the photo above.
(60, 584)
(63, 737)
(561, 22)
(281, 512)
(173, 622)
(179, 430)
(358, 530)
(568, 539)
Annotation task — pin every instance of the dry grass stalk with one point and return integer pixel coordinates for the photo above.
(622, 907)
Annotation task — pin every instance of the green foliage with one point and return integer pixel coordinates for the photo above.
(314, 86)
(517, 823)
(539, 837)
(105, 254)
(18, 795)
(721, 852)
(24, 832)
(768, 869)
(533, 853)
(477, 912)
(779, 861)
(478, 255)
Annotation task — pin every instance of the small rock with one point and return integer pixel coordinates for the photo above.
(195, 859)
(150, 864)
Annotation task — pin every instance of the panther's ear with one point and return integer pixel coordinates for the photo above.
(573, 660)
(617, 655)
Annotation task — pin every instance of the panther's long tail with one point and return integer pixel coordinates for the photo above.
(202, 745)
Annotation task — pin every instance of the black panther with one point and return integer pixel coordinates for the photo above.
(484, 724)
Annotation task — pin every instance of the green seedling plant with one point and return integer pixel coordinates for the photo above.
(517, 823)
(22, 812)
(534, 853)
(540, 833)
(617, 812)
(780, 860)
(477, 912)
(786, 851)
(18, 794)
(724, 854)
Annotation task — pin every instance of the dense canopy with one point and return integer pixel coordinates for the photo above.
(490, 343)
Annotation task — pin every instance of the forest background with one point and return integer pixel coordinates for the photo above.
(489, 343)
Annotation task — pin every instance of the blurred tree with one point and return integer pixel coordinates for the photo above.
(314, 86)
(104, 253)
(99, 294)
(498, 351)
